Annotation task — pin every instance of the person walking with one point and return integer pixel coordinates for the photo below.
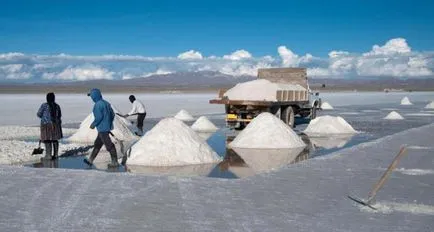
(139, 110)
(51, 126)
(103, 122)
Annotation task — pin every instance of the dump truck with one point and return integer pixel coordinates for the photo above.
(293, 103)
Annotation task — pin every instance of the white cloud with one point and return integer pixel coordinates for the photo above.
(158, 72)
(393, 46)
(289, 58)
(393, 59)
(84, 73)
(190, 55)
(238, 55)
(15, 72)
(318, 72)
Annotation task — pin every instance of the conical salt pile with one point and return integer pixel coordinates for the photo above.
(267, 131)
(183, 115)
(329, 125)
(171, 143)
(430, 105)
(84, 134)
(405, 101)
(202, 124)
(394, 116)
(326, 106)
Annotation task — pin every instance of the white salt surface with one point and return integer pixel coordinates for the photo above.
(415, 172)
(121, 129)
(326, 106)
(26, 133)
(171, 143)
(349, 113)
(420, 114)
(430, 105)
(406, 101)
(13, 151)
(394, 116)
(267, 131)
(370, 111)
(390, 207)
(258, 90)
(202, 124)
(327, 124)
(183, 115)
(265, 160)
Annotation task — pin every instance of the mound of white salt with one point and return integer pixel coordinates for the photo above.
(171, 143)
(267, 131)
(326, 106)
(121, 129)
(430, 105)
(183, 115)
(329, 125)
(406, 101)
(258, 90)
(394, 116)
(202, 124)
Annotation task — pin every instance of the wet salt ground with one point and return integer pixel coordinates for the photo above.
(367, 119)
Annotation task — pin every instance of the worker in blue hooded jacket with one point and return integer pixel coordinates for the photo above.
(104, 116)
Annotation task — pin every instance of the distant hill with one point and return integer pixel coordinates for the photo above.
(211, 81)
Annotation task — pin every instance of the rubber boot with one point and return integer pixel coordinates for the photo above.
(55, 150)
(48, 150)
(114, 158)
(92, 157)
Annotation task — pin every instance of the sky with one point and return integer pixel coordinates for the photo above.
(70, 40)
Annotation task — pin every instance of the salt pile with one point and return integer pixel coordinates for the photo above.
(430, 105)
(202, 124)
(406, 101)
(183, 115)
(267, 131)
(171, 143)
(394, 116)
(326, 106)
(259, 90)
(329, 125)
(84, 134)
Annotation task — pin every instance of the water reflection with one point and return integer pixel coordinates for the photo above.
(43, 163)
(187, 170)
(247, 162)
(330, 142)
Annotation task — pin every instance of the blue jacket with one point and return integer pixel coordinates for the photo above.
(102, 112)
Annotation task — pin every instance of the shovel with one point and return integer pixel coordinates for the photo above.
(38, 150)
(125, 152)
(380, 183)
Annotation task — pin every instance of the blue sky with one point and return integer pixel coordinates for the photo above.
(88, 40)
(166, 28)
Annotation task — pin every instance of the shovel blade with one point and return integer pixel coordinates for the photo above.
(360, 201)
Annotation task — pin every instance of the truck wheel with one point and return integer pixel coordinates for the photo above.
(288, 116)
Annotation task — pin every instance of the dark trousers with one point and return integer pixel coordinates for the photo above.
(103, 139)
(140, 119)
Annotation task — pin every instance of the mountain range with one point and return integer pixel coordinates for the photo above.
(210, 80)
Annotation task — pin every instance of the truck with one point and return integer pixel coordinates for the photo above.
(293, 106)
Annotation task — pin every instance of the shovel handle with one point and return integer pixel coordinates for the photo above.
(386, 174)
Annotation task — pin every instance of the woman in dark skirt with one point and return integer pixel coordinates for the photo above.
(51, 126)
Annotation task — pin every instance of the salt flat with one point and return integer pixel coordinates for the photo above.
(308, 196)
(20, 109)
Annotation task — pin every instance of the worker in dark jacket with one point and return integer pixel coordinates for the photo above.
(51, 126)
(103, 122)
